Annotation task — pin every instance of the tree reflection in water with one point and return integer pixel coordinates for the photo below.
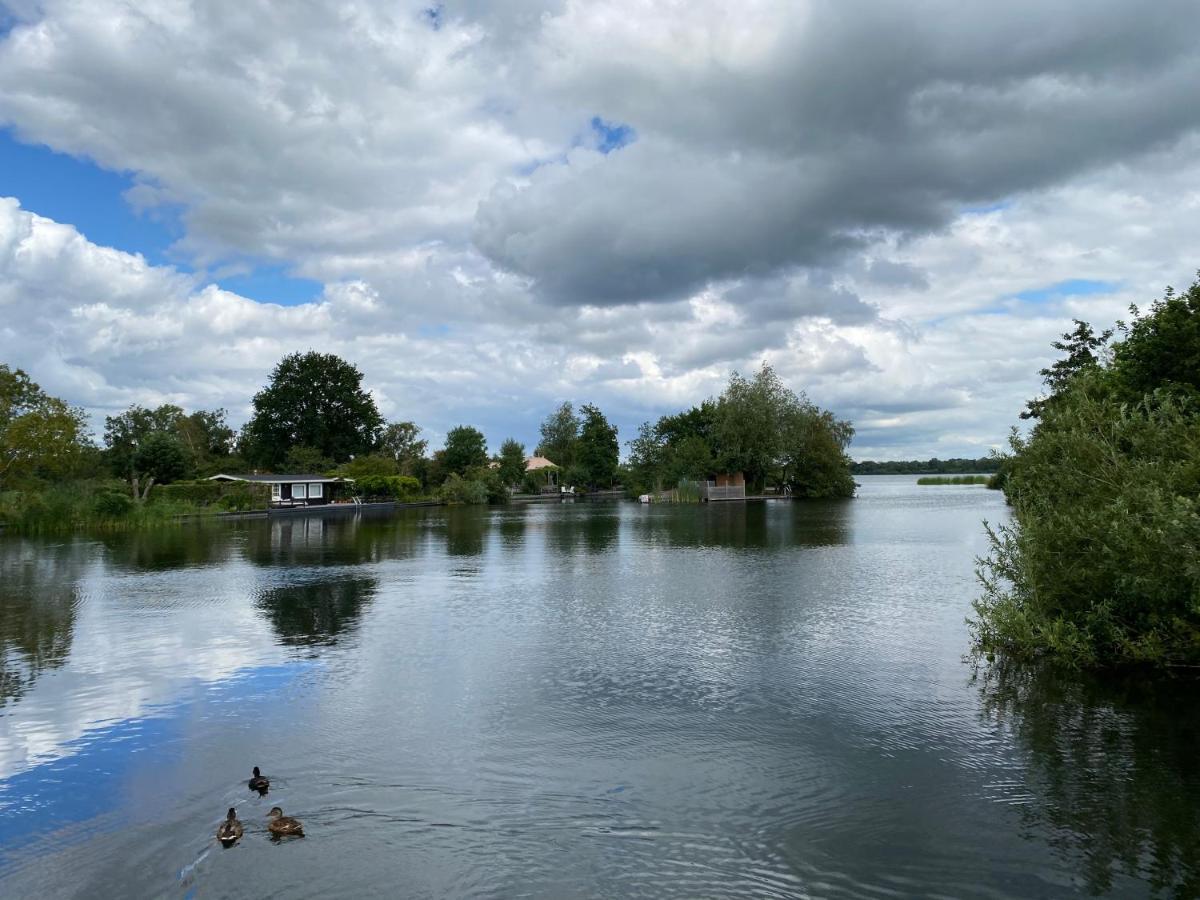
(316, 612)
(37, 610)
(1112, 769)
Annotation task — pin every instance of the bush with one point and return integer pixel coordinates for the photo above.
(391, 487)
(110, 504)
(1102, 562)
(457, 489)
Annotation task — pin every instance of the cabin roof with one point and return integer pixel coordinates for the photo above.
(279, 479)
(538, 462)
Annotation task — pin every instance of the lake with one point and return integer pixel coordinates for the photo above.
(576, 700)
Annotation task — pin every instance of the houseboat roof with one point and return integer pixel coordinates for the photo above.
(279, 479)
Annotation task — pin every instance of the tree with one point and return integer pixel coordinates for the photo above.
(314, 400)
(597, 451)
(400, 442)
(647, 455)
(765, 429)
(512, 462)
(749, 424)
(1161, 349)
(161, 457)
(206, 437)
(1082, 347)
(125, 435)
(559, 433)
(40, 436)
(466, 448)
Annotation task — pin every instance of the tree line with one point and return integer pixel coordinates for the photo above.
(984, 465)
(1100, 565)
(315, 417)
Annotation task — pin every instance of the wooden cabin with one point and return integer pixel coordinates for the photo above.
(293, 490)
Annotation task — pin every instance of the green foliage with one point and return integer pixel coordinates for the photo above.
(956, 479)
(1083, 348)
(559, 432)
(314, 400)
(390, 487)
(161, 457)
(111, 504)
(371, 464)
(305, 460)
(597, 451)
(1161, 350)
(533, 482)
(401, 442)
(764, 429)
(512, 461)
(1101, 564)
(458, 490)
(466, 448)
(40, 436)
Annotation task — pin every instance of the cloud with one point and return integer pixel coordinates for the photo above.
(510, 204)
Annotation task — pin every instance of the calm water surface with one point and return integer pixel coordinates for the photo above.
(569, 701)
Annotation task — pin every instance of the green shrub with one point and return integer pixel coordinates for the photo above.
(1101, 564)
(391, 487)
(457, 489)
(110, 504)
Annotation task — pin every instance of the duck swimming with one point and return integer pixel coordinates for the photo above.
(283, 826)
(259, 782)
(230, 830)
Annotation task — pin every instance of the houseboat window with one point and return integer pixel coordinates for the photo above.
(314, 490)
(299, 491)
(275, 491)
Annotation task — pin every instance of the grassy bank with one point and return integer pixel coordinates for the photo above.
(954, 479)
(108, 505)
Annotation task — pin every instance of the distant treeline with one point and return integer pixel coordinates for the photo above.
(957, 466)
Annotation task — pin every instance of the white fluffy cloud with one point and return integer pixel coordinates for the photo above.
(857, 193)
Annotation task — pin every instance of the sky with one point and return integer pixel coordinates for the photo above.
(492, 207)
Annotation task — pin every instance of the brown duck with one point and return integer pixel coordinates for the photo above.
(283, 826)
(229, 831)
(259, 782)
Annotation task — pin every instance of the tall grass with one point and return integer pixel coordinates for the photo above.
(101, 506)
(954, 479)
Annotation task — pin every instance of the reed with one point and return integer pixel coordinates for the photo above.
(953, 479)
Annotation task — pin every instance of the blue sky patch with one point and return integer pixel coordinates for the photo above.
(433, 16)
(272, 284)
(78, 192)
(1074, 287)
(986, 208)
(611, 136)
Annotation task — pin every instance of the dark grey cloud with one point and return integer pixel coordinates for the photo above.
(858, 120)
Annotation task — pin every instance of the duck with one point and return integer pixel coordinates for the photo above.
(229, 831)
(283, 826)
(259, 782)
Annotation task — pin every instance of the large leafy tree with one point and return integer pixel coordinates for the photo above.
(466, 448)
(402, 443)
(597, 450)
(512, 462)
(559, 433)
(314, 400)
(765, 429)
(40, 436)
(126, 436)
